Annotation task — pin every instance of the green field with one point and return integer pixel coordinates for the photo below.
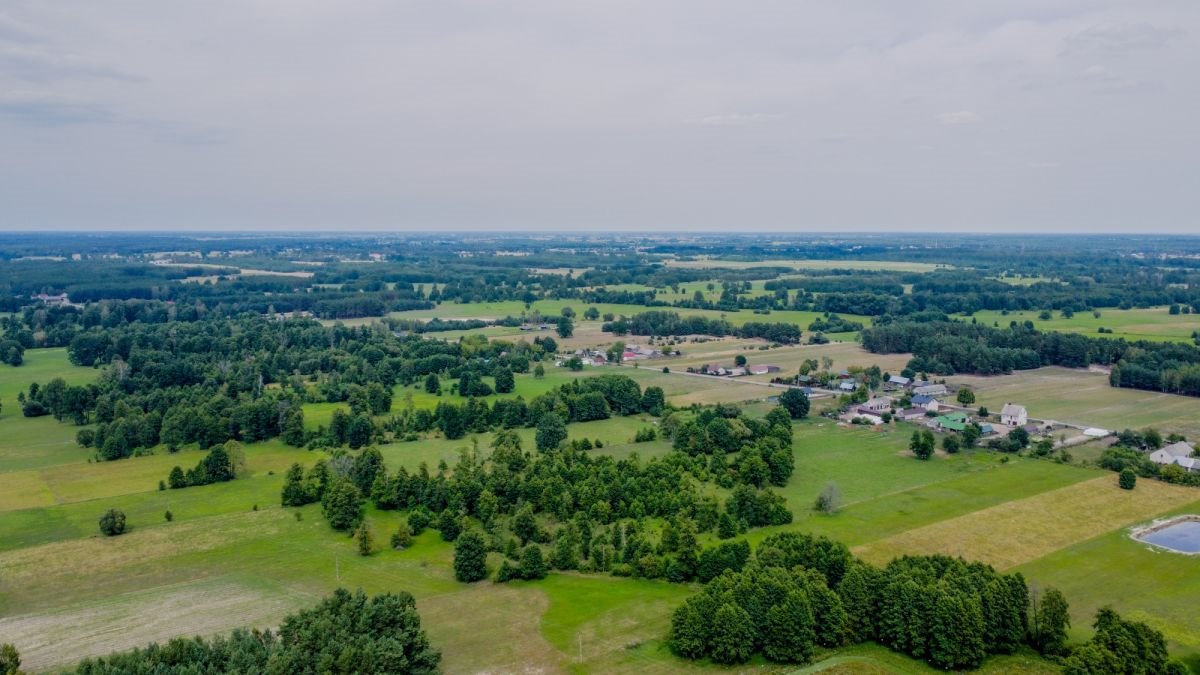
(232, 556)
(1154, 323)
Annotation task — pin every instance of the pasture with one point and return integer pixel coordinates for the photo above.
(1152, 323)
(232, 556)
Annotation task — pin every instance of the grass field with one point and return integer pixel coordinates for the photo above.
(232, 556)
(1084, 397)
(1154, 323)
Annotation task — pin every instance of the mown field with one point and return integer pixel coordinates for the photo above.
(1153, 323)
(232, 556)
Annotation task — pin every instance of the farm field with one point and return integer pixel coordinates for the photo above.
(788, 357)
(40, 441)
(1084, 397)
(232, 556)
(1153, 323)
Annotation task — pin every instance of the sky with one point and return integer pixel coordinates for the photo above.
(639, 115)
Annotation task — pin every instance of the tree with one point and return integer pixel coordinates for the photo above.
(789, 635)
(432, 384)
(10, 660)
(448, 525)
(970, 435)
(358, 434)
(504, 381)
(551, 432)
(796, 402)
(293, 426)
(732, 638)
(112, 522)
(176, 479)
(653, 400)
(533, 565)
(539, 371)
(966, 396)
(739, 360)
(524, 525)
(342, 505)
(726, 527)
(402, 537)
(295, 493)
(1051, 619)
(564, 327)
(470, 557)
(922, 444)
(1127, 479)
(1019, 436)
(951, 444)
(830, 499)
(364, 539)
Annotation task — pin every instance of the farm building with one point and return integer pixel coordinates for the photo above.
(764, 369)
(1014, 415)
(931, 390)
(898, 381)
(955, 421)
(877, 404)
(847, 386)
(909, 414)
(1176, 453)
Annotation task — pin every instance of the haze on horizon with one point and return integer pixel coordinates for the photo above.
(865, 115)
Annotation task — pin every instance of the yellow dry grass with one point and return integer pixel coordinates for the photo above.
(1016, 532)
(79, 558)
(23, 490)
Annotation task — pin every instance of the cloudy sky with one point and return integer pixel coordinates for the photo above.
(1006, 115)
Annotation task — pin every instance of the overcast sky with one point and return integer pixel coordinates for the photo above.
(1012, 115)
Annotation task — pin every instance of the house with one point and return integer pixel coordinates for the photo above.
(909, 414)
(847, 386)
(931, 390)
(1176, 453)
(1014, 415)
(926, 402)
(60, 299)
(737, 372)
(877, 404)
(764, 369)
(899, 381)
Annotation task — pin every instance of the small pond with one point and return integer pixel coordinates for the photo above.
(1182, 535)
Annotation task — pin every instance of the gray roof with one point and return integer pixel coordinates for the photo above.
(1179, 449)
(922, 398)
(1013, 409)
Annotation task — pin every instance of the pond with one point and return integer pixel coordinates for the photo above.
(1181, 535)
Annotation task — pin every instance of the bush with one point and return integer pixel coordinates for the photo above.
(1128, 479)
(112, 522)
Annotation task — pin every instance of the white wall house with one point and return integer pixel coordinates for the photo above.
(1014, 415)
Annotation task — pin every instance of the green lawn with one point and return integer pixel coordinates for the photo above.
(32, 443)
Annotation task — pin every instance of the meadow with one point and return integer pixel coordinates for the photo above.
(1151, 323)
(869, 265)
(232, 556)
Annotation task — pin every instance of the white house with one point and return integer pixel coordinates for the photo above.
(1014, 415)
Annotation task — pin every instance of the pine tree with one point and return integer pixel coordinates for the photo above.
(470, 557)
(533, 565)
(524, 525)
(690, 627)
(342, 505)
(294, 491)
(449, 525)
(1127, 479)
(726, 527)
(364, 539)
(402, 538)
(857, 592)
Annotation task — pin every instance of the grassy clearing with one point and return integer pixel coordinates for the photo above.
(1084, 397)
(1019, 531)
(33, 443)
(788, 358)
(1153, 323)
